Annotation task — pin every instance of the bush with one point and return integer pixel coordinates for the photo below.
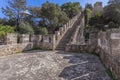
(99, 26)
(25, 28)
(41, 30)
(5, 29)
(44, 31)
(112, 25)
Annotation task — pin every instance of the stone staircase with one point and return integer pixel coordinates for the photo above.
(66, 38)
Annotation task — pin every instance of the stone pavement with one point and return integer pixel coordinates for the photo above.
(52, 65)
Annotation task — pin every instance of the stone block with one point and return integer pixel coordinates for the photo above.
(24, 38)
(11, 38)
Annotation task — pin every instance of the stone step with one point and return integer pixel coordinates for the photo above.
(65, 39)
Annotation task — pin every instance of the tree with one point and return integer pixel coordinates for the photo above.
(88, 15)
(44, 31)
(14, 9)
(25, 28)
(97, 21)
(52, 16)
(35, 11)
(112, 12)
(5, 29)
(88, 6)
(71, 9)
(41, 30)
(5, 21)
(114, 2)
(112, 25)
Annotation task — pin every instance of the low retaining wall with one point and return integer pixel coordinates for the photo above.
(79, 48)
(14, 48)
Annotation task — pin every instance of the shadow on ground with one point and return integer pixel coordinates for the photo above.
(83, 67)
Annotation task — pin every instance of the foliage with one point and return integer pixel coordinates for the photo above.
(112, 2)
(88, 6)
(112, 25)
(35, 11)
(112, 12)
(25, 28)
(41, 30)
(110, 74)
(5, 29)
(88, 15)
(97, 21)
(52, 16)
(71, 9)
(5, 21)
(44, 31)
(14, 8)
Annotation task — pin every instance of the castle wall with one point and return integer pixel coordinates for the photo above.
(15, 43)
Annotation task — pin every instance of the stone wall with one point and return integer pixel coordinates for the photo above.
(12, 45)
(109, 47)
(14, 48)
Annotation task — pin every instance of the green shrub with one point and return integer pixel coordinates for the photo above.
(41, 30)
(5, 29)
(44, 31)
(25, 28)
(112, 25)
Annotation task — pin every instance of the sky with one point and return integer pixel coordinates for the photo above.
(3, 3)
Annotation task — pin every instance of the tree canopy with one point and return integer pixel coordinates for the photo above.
(88, 6)
(14, 8)
(46, 18)
(52, 16)
(71, 9)
(112, 11)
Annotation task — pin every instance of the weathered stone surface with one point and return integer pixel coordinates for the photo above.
(15, 48)
(52, 65)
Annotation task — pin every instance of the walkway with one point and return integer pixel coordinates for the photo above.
(51, 65)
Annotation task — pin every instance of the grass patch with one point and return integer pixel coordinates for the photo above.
(110, 74)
